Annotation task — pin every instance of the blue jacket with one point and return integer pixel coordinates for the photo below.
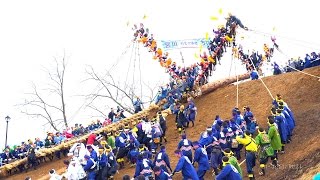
(94, 155)
(185, 145)
(188, 171)
(137, 103)
(289, 121)
(39, 144)
(289, 115)
(200, 156)
(229, 172)
(123, 135)
(143, 167)
(163, 176)
(247, 116)
(282, 127)
(254, 75)
(160, 159)
(205, 139)
(89, 165)
(111, 160)
(119, 142)
(103, 159)
(192, 110)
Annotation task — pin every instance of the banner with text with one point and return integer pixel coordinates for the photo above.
(187, 43)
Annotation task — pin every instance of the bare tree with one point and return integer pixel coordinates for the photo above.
(122, 93)
(38, 105)
(102, 114)
(112, 90)
(151, 96)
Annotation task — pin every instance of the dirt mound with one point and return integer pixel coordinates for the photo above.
(301, 92)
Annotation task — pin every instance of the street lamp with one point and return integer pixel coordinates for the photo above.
(7, 120)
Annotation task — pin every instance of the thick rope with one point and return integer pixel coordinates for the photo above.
(235, 68)
(300, 42)
(131, 55)
(134, 65)
(140, 70)
(231, 64)
(254, 66)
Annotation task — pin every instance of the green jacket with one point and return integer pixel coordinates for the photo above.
(265, 149)
(274, 137)
(111, 142)
(234, 162)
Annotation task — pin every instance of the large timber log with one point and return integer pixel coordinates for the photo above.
(207, 88)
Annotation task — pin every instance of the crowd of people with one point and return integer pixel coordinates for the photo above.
(219, 147)
(310, 60)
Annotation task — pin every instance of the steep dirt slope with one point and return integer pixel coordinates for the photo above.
(301, 92)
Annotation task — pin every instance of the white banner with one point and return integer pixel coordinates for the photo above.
(188, 43)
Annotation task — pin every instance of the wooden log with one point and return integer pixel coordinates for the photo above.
(207, 88)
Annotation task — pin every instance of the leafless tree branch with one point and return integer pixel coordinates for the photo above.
(108, 86)
(96, 109)
(44, 109)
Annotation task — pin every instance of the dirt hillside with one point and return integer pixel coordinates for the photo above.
(301, 92)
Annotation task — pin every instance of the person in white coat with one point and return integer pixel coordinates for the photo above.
(54, 176)
(75, 170)
(79, 150)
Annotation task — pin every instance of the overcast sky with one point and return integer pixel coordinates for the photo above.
(94, 33)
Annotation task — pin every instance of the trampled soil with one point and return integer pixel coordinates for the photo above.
(302, 94)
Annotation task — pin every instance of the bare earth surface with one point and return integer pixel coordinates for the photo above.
(302, 93)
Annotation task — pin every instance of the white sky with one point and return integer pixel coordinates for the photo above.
(95, 33)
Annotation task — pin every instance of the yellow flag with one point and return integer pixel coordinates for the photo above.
(207, 36)
(144, 16)
(196, 56)
(220, 11)
(200, 47)
(213, 18)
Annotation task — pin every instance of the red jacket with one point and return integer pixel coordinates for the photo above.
(91, 139)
